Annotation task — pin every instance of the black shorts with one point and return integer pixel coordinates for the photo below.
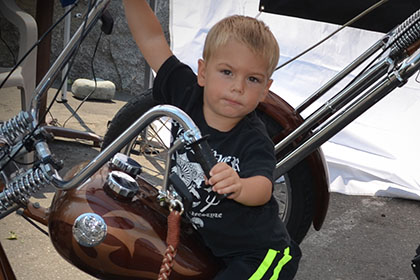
(271, 264)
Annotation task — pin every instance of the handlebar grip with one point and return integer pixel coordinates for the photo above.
(204, 155)
(206, 159)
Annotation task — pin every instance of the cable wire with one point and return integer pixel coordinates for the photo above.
(8, 48)
(34, 46)
(70, 64)
(94, 78)
(356, 18)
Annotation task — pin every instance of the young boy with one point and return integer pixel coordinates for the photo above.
(239, 56)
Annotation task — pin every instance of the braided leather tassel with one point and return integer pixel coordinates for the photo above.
(172, 240)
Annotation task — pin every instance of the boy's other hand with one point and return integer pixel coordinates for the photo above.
(225, 180)
(252, 191)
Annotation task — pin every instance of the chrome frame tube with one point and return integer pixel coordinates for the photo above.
(336, 103)
(342, 74)
(355, 109)
(154, 113)
(177, 144)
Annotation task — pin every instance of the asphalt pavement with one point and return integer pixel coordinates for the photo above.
(362, 237)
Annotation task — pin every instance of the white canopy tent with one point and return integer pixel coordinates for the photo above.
(377, 154)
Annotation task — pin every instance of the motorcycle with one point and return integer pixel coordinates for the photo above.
(109, 217)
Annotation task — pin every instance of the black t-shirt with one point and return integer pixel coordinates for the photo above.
(227, 227)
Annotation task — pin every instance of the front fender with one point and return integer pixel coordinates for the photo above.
(286, 116)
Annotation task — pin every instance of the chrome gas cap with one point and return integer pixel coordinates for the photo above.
(122, 184)
(126, 164)
(89, 229)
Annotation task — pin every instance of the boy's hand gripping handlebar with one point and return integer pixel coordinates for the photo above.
(206, 159)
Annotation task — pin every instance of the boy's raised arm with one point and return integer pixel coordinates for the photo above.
(147, 32)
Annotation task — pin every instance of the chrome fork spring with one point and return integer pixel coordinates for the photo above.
(406, 33)
(17, 126)
(23, 186)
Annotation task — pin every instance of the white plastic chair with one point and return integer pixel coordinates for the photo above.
(24, 77)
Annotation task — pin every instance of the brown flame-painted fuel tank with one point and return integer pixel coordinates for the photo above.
(135, 241)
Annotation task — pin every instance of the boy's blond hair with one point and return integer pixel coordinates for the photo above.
(254, 33)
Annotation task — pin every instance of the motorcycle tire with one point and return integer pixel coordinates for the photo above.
(127, 115)
(293, 191)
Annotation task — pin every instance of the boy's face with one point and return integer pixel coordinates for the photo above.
(235, 80)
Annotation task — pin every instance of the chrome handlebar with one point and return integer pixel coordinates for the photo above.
(21, 187)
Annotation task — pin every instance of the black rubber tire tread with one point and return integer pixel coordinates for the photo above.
(300, 176)
(128, 114)
(301, 181)
(302, 209)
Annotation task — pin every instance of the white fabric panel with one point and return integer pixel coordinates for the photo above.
(377, 153)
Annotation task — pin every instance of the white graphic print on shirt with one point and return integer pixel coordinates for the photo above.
(192, 175)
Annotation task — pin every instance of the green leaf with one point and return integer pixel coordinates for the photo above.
(12, 236)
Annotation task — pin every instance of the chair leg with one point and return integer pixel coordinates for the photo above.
(26, 92)
(23, 98)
